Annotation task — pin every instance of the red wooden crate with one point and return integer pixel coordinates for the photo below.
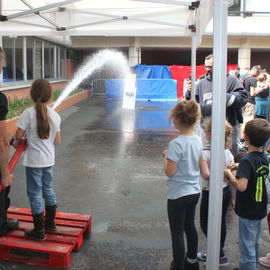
(55, 251)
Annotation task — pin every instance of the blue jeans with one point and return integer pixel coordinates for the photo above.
(249, 234)
(39, 186)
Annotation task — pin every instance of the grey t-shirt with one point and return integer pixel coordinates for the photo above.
(186, 152)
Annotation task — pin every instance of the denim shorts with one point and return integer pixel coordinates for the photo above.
(39, 186)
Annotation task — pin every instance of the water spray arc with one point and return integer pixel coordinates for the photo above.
(91, 65)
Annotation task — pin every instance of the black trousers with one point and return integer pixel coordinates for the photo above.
(181, 213)
(204, 215)
(4, 205)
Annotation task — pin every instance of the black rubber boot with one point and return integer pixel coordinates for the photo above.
(49, 219)
(37, 233)
(191, 266)
(12, 224)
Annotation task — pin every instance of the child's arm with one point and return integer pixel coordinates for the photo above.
(233, 166)
(169, 165)
(57, 139)
(240, 184)
(19, 134)
(233, 197)
(205, 172)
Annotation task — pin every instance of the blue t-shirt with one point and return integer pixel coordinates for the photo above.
(186, 152)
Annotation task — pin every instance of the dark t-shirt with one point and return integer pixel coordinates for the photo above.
(250, 82)
(3, 106)
(264, 93)
(252, 203)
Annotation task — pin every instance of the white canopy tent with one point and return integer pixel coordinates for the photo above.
(95, 18)
(138, 18)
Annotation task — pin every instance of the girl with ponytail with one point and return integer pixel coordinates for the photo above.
(41, 126)
(183, 163)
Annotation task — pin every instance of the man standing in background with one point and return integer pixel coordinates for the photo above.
(236, 98)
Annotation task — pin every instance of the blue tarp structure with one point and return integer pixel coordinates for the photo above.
(152, 82)
(114, 88)
(147, 115)
(152, 72)
(156, 89)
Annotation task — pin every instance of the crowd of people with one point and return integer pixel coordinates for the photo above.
(187, 165)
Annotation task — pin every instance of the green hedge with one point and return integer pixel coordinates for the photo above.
(17, 106)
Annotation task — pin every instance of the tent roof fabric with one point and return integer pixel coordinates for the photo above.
(96, 18)
(62, 19)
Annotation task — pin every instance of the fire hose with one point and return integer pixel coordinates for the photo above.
(15, 158)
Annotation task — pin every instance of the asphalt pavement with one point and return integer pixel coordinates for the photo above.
(109, 165)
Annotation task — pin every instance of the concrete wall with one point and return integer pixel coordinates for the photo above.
(137, 46)
(163, 42)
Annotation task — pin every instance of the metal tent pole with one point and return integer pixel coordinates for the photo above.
(193, 65)
(1, 45)
(218, 128)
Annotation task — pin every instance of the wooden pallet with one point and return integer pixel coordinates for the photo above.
(56, 250)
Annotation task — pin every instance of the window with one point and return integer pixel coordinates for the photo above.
(63, 62)
(8, 45)
(48, 60)
(29, 57)
(18, 65)
(43, 59)
(234, 7)
(37, 59)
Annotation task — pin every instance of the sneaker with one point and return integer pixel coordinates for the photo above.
(201, 256)
(265, 261)
(223, 261)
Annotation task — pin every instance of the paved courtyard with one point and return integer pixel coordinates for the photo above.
(109, 165)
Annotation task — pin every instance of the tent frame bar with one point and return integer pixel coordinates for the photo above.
(169, 2)
(33, 24)
(115, 16)
(92, 23)
(37, 10)
(157, 22)
(42, 16)
(130, 18)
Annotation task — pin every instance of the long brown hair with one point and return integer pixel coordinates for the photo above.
(41, 92)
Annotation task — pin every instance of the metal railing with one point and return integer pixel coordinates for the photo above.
(98, 87)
